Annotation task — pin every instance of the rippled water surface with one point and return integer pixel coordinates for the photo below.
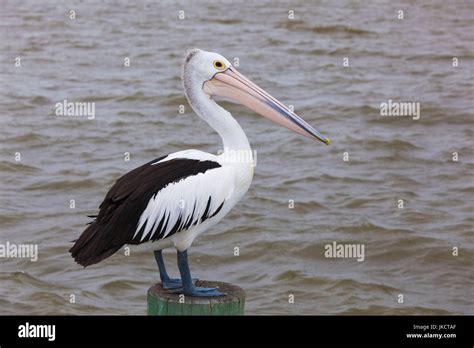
(408, 251)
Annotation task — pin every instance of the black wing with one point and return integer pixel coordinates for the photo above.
(119, 214)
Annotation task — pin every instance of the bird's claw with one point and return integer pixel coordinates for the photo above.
(203, 292)
(174, 283)
(200, 292)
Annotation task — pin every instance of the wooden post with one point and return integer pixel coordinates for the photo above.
(165, 302)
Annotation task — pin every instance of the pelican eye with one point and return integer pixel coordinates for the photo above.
(219, 65)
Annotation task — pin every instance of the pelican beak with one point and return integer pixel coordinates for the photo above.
(233, 85)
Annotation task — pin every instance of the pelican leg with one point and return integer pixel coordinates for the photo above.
(189, 289)
(166, 281)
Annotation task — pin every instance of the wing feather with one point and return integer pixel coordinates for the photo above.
(155, 201)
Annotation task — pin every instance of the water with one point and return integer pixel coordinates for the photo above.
(408, 251)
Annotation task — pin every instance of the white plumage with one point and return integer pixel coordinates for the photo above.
(187, 199)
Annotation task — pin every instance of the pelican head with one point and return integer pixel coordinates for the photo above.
(217, 77)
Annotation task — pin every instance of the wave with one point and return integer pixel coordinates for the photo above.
(386, 310)
(390, 144)
(328, 29)
(18, 167)
(70, 184)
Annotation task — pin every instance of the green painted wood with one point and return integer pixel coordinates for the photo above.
(165, 302)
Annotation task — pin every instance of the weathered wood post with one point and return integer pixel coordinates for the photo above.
(165, 302)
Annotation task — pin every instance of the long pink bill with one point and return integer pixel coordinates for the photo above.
(233, 85)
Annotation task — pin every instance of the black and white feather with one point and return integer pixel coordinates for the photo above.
(156, 201)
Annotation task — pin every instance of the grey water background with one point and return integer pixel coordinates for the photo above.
(407, 251)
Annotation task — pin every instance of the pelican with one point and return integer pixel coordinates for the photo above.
(173, 199)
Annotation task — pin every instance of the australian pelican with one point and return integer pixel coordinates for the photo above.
(173, 199)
